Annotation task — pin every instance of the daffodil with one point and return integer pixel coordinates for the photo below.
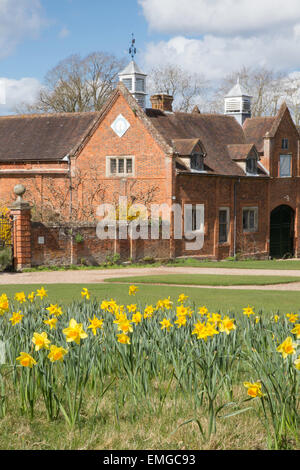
(248, 311)
(16, 318)
(95, 324)
(133, 290)
(202, 310)
(182, 298)
(276, 318)
(167, 303)
(20, 297)
(51, 322)
(26, 360)
(181, 311)
(85, 293)
(181, 321)
(297, 363)
(41, 293)
(287, 347)
(74, 332)
(227, 325)
(148, 312)
(40, 340)
(4, 304)
(136, 318)
(56, 353)
(132, 308)
(254, 389)
(293, 317)
(31, 296)
(123, 338)
(296, 330)
(166, 324)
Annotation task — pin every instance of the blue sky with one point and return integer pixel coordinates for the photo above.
(78, 26)
(210, 37)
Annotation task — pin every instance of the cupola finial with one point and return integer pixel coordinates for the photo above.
(132, 48)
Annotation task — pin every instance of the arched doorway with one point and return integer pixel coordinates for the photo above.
(282, 232)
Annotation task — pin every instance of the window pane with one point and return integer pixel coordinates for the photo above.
(129, 165)
(128, 83)
(251, 220)
(139, 84)
(245, 219)
(285, 144)
(121, 165)
(113, 166)
(285, 165)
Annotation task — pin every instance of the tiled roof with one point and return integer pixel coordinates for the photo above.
(256, 128)
(47, 137)
(240, 151)
(214, 131)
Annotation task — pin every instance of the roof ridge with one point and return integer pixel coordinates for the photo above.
(37, 115)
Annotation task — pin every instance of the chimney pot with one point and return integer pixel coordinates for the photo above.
(162, 101)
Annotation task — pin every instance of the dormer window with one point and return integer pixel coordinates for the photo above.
(197, 162)
(251, 166)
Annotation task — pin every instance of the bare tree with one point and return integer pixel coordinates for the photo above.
(265, 87)
(78, 84)
(186, 88)
(291, 88)
(68, 202)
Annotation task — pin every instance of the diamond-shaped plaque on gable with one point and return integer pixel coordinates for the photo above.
(120, 125)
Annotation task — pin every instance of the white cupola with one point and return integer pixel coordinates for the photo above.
(135, 81)
(238, 103)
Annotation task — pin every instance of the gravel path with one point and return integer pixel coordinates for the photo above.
(98, 276)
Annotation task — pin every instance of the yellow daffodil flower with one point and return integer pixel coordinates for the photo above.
(95, 323)
(56, 353)
(248, 311)
(293, 317)
(297, 363)
(31, 296)
(227, 325)
(26, 360)
(41, 293)
(4, 304)
(51, 322)
(133, 290)
(74, 332)
(296, 330)
(123, 338)
(85, 293)
(148, 312)
(41, 341)
(16, 318)
(20, 297)
(181, 321)
(182, 298)
(254, 389)
(166, 324)
(136, 318)
(287, 347)
(202, 310)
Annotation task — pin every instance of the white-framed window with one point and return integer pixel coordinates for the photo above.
(250, 219)
(223, 224)
(285, 166)
(120, 166)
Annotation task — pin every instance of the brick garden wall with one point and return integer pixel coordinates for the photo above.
(58, 248)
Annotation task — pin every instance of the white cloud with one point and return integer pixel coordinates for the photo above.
(19, 19)
(215, 57)
(17, 92)
(220, 17)
(64, 32)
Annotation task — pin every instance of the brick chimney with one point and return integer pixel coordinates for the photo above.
(162, 101)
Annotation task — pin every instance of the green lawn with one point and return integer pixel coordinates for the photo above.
(214, 299)
(206, 279)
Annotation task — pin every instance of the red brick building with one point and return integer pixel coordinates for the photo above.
(245, 171)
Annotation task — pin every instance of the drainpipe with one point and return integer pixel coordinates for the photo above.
(235, 215)
(70, 208)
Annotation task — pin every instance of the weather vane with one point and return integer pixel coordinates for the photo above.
(132, 49)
